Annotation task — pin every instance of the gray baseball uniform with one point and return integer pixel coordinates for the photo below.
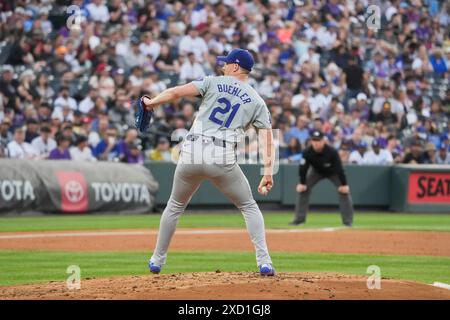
(228, 107)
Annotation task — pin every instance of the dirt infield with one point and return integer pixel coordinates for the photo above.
(320, 240)
(233, 286)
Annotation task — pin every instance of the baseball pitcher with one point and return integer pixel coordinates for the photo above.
(229, 105)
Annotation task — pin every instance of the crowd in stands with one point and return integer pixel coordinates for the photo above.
(380, 95)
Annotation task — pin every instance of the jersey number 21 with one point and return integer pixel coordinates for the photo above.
(224, 110)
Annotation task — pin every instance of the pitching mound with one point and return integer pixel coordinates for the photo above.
(234, 286)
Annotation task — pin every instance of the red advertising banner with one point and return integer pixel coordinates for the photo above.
(74, 191)
(429, 187)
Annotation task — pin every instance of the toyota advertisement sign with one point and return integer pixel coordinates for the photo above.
(75, 187)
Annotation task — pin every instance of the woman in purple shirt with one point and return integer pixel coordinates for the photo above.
(61, 152)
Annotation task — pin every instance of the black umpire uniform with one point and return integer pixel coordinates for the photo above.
(316, 166)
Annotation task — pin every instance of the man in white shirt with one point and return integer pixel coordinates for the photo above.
(443, 156)
(357, 156)
(377, 155)
(88, 103)
(300, 97)
(65, 100)
(82, 152)
(195, 44)
(44, 143)
(18, 148)
(322, 100)
(64, 113)
(98, 11)
(134, 56)
(316, 30)
(149, 47)
(191, 70)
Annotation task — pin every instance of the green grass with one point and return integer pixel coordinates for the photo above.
(23, 267)
(233, 219)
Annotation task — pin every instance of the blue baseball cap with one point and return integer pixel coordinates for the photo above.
(362, 144)
(240, 56)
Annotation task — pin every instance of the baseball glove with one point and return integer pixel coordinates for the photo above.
(143, 116)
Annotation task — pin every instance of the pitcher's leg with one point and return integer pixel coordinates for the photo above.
(345, 203)
(302, 205)
(235, 186)
(185, 183)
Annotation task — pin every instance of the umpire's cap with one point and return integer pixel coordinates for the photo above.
(317, 135)
(240, 56)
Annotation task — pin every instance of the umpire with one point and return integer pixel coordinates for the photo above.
(322, 161)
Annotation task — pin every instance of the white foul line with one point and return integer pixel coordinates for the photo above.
(441, 285)
(151, 232)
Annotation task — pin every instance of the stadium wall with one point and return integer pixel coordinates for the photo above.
(81, 187)
(371, 186)
(74, 187)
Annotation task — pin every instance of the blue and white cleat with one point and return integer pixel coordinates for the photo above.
(266, 270)
(154, 268)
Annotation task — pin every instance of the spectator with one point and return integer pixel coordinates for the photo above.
(149, 47)
(443, 156)
(31, 130)
(377, 155)
(88, 103)
(18, 148)
(98, 11)
(134, 57)
(162, 152)
(108, 148)
(67, 131)
(81, 151)
(44, 143)
(8, 87)
(416, 155)
(43, 89)
(378, 66)
(134, 155)
(124, 144)
(293, 152)
(300, 131)
(438, 62)
(191, 70)
(5, 136)
(386, 116)
(430, 154)
(322, 100)
(344, 154)
(193, 43)
(64, 100)
(165, 62)
(357, 156)
(103, 82)
(362, 106)
(354, 75)
(61, 152)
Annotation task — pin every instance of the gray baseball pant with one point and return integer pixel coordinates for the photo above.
(231, 181)
(345, 200)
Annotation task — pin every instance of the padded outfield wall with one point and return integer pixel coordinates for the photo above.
(401, 188)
